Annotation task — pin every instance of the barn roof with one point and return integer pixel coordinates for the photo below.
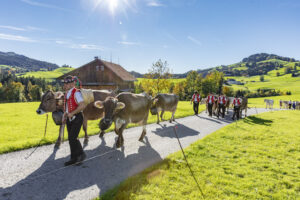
(119, 71)
(115, 68)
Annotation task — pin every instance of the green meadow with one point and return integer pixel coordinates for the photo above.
(49, 75)
(21, 127)
(255, 158)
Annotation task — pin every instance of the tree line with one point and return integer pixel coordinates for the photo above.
(23, 89)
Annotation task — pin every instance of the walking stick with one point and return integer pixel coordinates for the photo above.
(46, 125)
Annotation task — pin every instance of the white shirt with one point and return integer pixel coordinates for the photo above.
(78, 97)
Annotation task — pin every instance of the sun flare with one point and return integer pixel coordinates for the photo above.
(112, 6)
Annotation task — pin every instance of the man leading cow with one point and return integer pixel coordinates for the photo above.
(236, 108)
(210, 102)
(221, 105)
(73, 107)
(196, 100)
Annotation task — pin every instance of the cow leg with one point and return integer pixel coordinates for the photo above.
(143, 133)
(120, 125)
(120, 141)
(157, 118)
(101, 134)
(60, 136)
(161, 115)
(172, 118)
(84, 126)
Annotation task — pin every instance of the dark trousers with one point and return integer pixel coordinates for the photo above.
(73, 128)
(196, 106)
(221, 108)
(236, 112)
(209, 107)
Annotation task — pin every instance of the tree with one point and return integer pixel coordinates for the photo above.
(191, 81)
(28, 91)
(158, 78)
(262, 78)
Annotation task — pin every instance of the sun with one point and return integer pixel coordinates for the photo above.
(111, 6)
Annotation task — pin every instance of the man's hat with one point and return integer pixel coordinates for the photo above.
(69, 79)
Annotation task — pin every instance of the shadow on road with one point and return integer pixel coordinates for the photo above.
(101, 172)
(168, 131)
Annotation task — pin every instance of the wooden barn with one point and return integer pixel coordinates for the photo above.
(100, 74)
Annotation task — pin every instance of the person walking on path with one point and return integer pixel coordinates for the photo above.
(236, 108)
(294, 105)
(196, 100)
(221, 105)
(290, 104)
(210, 102)
(73, 116)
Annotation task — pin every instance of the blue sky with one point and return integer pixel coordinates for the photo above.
(188, 34)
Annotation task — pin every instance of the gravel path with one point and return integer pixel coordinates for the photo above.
(42, 175)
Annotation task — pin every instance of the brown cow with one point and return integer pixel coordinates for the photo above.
(244, 106)
(164, 102)
(53, 102)
(125, 108)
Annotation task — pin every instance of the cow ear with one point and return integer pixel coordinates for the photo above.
(120, 106)
(58, 95)
(98, 104)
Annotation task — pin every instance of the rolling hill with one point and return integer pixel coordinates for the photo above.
(24, 63)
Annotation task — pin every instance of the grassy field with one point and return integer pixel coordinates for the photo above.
(21, 127)
(49, 75)
(256, 158)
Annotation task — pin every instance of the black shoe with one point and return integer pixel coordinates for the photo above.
(70, 162)
(80, 159)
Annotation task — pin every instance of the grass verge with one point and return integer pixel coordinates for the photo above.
(256, 158)
(21, 127)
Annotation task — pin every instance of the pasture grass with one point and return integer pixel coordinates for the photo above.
(21, 127)
(255, 158)
(49, 75)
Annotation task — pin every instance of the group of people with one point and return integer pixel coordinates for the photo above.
(221, 102)
(291, 104)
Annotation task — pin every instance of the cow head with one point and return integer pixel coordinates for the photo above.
(153, 108)
(111, 107)
(49, 102)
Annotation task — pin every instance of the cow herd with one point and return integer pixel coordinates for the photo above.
(120, 109)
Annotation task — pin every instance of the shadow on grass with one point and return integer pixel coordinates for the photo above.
(257, 120)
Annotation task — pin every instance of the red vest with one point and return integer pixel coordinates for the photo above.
(222, 99)
(71, 102)
(196, 96)
(212, 98)
(236, 100)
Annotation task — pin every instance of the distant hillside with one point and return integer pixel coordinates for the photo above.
(137, 74)
(25, 63)
(257, 64)
(48, 75)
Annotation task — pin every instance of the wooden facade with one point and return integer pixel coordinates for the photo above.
(99, 74)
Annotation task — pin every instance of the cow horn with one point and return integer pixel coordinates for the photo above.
(120, 106)
(98, 104)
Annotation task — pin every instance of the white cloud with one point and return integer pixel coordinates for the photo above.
(194, 40)
(12, 28)
(129, 43)
(34, 3)
(154, 3)
(27, 28)
(87, 46)
(15, 38)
